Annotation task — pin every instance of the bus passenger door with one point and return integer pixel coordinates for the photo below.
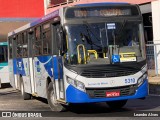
(11, 64)
(23, 64)
(57, 62)
(38, 63)
(31, 61)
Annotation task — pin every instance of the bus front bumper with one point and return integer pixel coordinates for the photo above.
(74, 95)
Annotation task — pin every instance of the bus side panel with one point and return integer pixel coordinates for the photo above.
(23, 70)
(12, 72)
(42, 70)
(4, 74)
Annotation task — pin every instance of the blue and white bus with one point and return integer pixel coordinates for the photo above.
(4, 74)
(81, 54)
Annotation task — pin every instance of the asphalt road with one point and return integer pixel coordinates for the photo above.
(10, 100)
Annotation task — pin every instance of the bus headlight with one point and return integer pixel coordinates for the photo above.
(141, 79)
(77, 84)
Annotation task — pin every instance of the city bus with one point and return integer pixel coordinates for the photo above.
(84, 53)
(4, 74)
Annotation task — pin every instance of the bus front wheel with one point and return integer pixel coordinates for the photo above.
(116, 104)
(51, 96)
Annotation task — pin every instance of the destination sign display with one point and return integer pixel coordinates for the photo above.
(101, 12)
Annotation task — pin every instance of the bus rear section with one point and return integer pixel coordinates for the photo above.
(4, 74)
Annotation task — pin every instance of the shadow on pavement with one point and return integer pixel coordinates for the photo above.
(5, 85)
(150, 103)
(9, 92)
(101, 109)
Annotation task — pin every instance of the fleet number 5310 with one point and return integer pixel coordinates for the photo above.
(130, 80)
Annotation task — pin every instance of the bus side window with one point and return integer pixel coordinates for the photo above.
(46, 36)
(47, 42)
(38, 48)
(19, 51)
(25, 52)
(19, 46)
(38, 33)
(10, 48)
(25, 44)
(38, 41)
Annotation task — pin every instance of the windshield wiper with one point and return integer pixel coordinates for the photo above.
(85, 23)
(88, 38)
(120, 30)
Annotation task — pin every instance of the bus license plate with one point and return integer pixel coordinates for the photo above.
(113, 94)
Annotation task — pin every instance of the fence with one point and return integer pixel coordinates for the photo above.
(152, 57)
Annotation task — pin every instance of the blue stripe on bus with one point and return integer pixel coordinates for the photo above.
(44, 59)
(74, 95)
(60, 67)
(55, 67)
(47, 62)
(20, 67)
(15, 66)
(48, 66)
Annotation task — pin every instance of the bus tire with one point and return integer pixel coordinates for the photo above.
(25, 96)
(116, 104)
(54, 105)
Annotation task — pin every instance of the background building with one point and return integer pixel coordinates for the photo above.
(15, 13)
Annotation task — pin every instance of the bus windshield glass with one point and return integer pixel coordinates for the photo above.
(98, 42)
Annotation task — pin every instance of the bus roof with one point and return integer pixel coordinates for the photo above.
(40, 20)
(102, 4)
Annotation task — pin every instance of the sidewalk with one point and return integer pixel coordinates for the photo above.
(154, 85)
(154, 80)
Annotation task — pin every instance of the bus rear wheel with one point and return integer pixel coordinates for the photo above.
(54, 105)
(26, 96)
(116, 104)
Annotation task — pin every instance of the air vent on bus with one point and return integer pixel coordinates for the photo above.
(107, 72)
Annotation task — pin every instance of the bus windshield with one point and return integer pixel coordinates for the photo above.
(96, 43)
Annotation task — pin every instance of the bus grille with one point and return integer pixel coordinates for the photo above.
(101, 93)
(104, 73)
